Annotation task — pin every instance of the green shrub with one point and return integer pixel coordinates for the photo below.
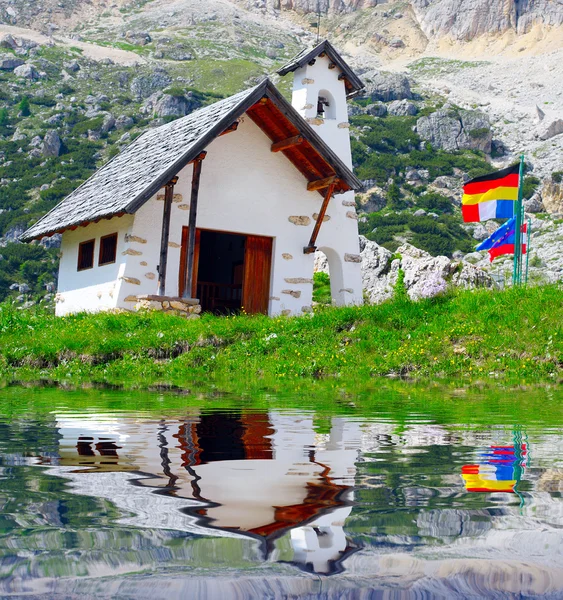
(82, 127)
(23, 107)
(530, 185)
(557, 176)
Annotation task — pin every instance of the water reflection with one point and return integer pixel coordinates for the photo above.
(261, 475)
(500, 469)
(383, 503)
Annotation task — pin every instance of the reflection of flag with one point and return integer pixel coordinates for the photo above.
(500, 470)
(503, 239)
(491, 196)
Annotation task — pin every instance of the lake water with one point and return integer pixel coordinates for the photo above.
(390, 493)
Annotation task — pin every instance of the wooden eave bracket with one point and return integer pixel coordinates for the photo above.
(320, 184)
(230, 128)
(311, 246)
(287, 143)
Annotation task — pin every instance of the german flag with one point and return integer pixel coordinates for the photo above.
(491, 196)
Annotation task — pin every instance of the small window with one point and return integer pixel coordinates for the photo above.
(108, 249)
(86, 255)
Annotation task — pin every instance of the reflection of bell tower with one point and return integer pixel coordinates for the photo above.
(322, 82)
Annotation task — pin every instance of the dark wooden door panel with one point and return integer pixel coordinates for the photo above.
(257, 269)
(184, 261)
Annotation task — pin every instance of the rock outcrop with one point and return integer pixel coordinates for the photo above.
(165, 105)
(51, 144)
(552, 197)
(387, 87)
(425, 275)
(455, 129)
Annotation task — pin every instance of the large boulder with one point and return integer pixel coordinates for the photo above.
(402, 108)
(552, 197)
(379, 271)
(455, 129)
(26, 72)
(139, 38)
(9, 62)
(52, 144)
(166, 105)
(554, 128)
(145, 85)
(387, 86)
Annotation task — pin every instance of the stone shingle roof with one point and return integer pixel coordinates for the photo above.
(140, 169)
(126, 182)
(354, 83)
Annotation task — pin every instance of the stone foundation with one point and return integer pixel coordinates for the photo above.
(183, 307)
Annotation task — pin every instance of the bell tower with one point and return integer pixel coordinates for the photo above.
(322, 84)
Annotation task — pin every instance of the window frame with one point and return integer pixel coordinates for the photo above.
(80, 251)
(100, 252)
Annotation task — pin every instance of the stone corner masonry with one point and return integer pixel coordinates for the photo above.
(184, 307)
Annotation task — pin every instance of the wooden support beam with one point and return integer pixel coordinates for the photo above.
(332, 66)
(287, 143)
(168, 196)
(231, 128)
(341, 77)
(320, 184)
(310, 248)
(312, 62)
(196, 176)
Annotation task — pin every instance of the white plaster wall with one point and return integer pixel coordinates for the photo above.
(338, 239)
(96, 288)
(245, 188)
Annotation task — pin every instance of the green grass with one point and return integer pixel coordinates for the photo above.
(509, 338)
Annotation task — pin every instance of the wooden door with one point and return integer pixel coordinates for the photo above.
(257, 268)
(184, 262)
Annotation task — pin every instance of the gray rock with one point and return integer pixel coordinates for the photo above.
(553, 129)
(108, 124)
(36, 141)
(26, 72)
(534, 204)
(480, 233)
(419, 213)
(24, 288)
(139, 38)
(424, 275)
(165, 105)
(145, 85)
(72, 66)
(396, 43)
(387, 86)
(52, 144)
(402, 108)
(540, 114)
(378, 109)
(123, 122)
(8, 62)
(452, 129)
(378, 278)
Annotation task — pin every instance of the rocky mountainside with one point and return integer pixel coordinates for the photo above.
(453, 90)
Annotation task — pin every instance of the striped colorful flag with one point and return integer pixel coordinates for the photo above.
(503, 239)
(491, 196)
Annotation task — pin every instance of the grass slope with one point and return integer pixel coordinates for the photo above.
(510, 337)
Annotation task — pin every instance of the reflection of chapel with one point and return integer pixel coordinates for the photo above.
(223, 209)
(250, 474)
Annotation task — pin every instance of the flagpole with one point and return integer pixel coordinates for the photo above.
(528, 237)
(517, 271)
